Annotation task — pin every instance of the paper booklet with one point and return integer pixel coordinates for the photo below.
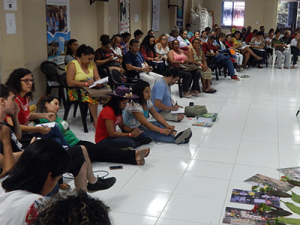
(50, 125)
(179, 110)
(101, 81)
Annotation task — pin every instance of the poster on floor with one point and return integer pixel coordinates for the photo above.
(58, 29)
(155, 15)
(244, 216)
(124, 17)
(291, 172)
(254, 198)
(262, 180)
(179, 19)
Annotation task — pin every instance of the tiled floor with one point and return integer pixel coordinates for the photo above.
(256, 132)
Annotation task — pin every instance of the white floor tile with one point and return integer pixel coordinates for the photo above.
(142, 202)
(193, 209)
(215, 155)
(209, 169)
(202, 187)
(119, 218)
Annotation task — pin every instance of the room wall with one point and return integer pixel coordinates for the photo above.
(257, 12)
(11, 45)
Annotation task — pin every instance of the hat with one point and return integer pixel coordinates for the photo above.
(123, 92)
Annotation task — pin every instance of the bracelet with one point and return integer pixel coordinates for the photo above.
(161, 130)
(129, 134)
(86, 84)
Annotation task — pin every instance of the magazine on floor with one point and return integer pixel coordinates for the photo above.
(254, 198)
(291, 172)
(245, 216)
(262, 180)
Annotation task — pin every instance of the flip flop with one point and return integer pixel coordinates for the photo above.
(211, 91)
(244, 76)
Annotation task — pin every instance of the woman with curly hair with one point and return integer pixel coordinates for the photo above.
(85, 210)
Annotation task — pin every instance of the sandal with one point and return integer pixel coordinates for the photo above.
(245, 76)
(195, 93)
(142, 154)
(211, 91)
(246, 67)
(187, 95)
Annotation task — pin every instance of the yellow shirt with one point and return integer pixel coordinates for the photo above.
(80, 74)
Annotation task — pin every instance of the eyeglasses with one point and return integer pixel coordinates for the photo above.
(27, 81)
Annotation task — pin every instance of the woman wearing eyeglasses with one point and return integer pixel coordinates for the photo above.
(22, 81)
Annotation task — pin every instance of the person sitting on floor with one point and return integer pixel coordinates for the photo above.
(136, 115)
(99, 153)
(85, 209)
(36, 174)
(22, 81)
(136, 66)
(161, 95)
(111, 116)
(210, 50)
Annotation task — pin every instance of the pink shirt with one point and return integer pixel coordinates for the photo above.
(179, 57)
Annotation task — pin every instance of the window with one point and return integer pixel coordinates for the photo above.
(233, 14)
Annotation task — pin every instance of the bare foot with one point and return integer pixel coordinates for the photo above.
(140, 155)
(174, 133)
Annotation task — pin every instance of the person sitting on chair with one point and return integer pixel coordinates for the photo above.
(210, 50)
(136, 66)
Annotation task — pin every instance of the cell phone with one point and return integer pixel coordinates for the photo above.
(116, 167)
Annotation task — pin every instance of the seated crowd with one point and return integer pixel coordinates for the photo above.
(141, 113)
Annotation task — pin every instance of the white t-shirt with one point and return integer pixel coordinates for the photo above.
(267, 45)
(129, 119)
(117, 50)
(161, 51)
(294, 42)
(14, 206)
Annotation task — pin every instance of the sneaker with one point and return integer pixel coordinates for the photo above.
(235, 78)
(187, 140)
(181, 136)
(146, 140)
(101, 184)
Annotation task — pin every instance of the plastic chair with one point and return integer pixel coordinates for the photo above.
(116, 79)
(54, 79)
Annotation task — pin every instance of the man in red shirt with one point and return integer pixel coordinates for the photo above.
(210, 50)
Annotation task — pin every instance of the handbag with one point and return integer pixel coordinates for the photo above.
(195, 110)
(188, 67)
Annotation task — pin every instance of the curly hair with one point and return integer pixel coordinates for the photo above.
(75, 208)
(14, 80)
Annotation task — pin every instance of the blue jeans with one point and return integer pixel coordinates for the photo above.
(227, 62)
(55, 135)
(158, 136)
(123, 142)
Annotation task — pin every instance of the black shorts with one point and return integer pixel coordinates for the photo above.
(77, 159)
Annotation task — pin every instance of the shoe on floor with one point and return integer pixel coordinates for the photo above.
(181, 136)
(187, 95)
(235, 78)
(187, 140)
(101, 184)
